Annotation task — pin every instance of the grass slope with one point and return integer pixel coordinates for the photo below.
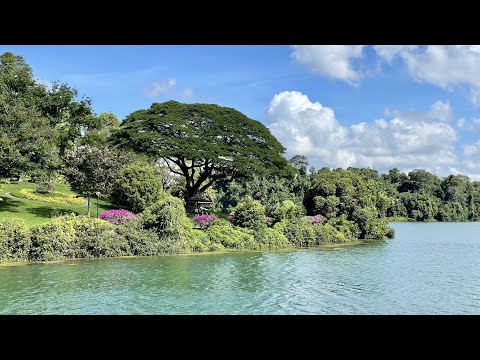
(37, 212)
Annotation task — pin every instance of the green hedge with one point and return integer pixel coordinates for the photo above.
(14, 241)
(76, 237)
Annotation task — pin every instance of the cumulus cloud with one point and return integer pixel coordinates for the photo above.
(334, 61)
(405, 140)
(389, 52)
(166, 87)
(461, 122)
(446, 66)
(472, 149)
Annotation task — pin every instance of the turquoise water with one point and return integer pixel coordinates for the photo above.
(431, 268)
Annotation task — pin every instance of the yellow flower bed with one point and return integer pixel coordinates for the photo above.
(60, 198)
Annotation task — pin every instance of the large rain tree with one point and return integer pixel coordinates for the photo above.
(205, 143)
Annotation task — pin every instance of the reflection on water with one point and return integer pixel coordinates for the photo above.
(427, 269)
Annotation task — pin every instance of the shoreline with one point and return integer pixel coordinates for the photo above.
(325, 247)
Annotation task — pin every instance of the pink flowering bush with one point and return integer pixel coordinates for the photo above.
(230, 218)
(118, 217)
(317, 219)
(204, 220)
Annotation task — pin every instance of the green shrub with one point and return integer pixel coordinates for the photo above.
(232, 238)
(327, 234)
(249, 214)
(45, 187)
(14, 241)
(76, 237)
(199, 241)
(370, 225)
(142, 242)
(298, 232)
(138, 186)
(167, 217)
(349, 228)
(269, 238)
(287, 210)
(390, 232)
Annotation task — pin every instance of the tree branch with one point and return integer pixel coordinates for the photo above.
(175, 172)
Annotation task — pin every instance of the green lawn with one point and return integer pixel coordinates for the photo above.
(37, 212)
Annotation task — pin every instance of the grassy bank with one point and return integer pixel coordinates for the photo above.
(35, 212)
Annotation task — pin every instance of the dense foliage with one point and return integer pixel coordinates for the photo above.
(217, 143)
(268, 190)
(14, 241)
(137, 187)
(167, 217)
(76, 237)
(37, 123)
(249, 214)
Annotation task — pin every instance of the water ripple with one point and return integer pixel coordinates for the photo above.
(426, 269)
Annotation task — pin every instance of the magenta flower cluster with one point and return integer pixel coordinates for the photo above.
(317, 219)
(205, 220)
(118, 217)
(230, 218)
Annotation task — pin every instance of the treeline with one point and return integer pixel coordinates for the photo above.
(363, 195)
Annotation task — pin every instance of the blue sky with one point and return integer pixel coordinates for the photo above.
(370, 106)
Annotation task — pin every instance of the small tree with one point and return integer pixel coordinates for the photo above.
(250, 214)
(137, 187)
(287, 210)
(90, 170)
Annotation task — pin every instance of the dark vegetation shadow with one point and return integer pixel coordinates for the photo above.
(9, 205)
(48, 213)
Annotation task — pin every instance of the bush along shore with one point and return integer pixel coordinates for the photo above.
(164, 228)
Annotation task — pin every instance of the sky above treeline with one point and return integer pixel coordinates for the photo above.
(381, 107)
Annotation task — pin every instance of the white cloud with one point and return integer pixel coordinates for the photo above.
(159, 87)
(475, 127)
(389, 52)
(334, 61)
(406, 140)
(461, 122)
(471, 168)
(473, 149)
(446, 66)
(166, 87)
(475, 97)
(441, 110)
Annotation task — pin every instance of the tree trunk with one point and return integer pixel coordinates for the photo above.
(88, 205)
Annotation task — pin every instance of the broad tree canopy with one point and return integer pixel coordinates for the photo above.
(202, 142)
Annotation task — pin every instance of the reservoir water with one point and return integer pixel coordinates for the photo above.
(429, 268)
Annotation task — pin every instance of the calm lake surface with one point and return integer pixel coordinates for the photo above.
(431, 268)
